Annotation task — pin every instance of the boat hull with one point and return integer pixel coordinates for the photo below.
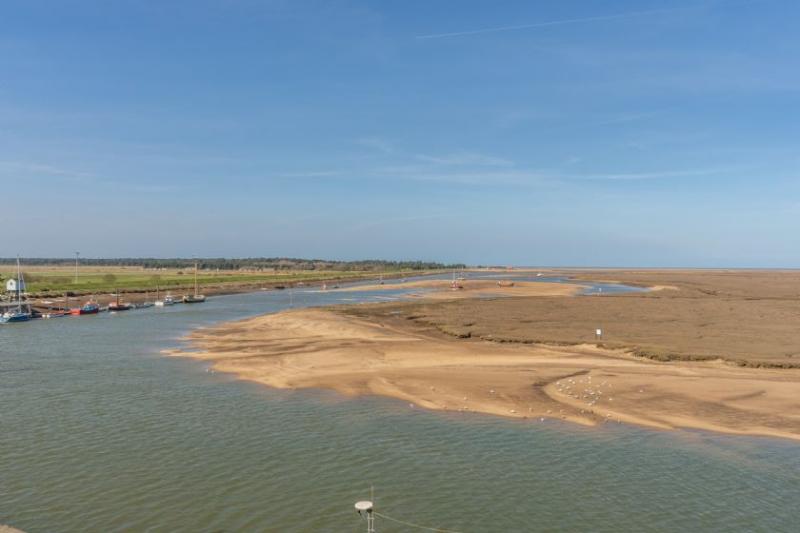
(88, 310)
(11, 318)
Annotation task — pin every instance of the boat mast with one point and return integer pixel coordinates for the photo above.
(19, 287)
(195, 277)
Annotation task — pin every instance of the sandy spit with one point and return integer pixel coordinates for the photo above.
(583, 384)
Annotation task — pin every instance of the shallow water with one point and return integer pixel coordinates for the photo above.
(100, 433)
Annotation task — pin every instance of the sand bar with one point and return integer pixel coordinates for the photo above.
(440, 289)
(583, 383)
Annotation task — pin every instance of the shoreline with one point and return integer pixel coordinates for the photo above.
(135, 296)
(583, 384)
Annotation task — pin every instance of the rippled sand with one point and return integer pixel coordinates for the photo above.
(584, 384)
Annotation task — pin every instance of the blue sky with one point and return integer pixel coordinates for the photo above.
(638, 133)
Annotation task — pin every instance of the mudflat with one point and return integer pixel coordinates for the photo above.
(750, 318)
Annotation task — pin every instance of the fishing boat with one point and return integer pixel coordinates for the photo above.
(167, 301)
(89, 308)
(119, 305)
(18, 314)
(195, 298)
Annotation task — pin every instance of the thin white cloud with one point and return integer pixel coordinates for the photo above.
(398, 221)
(546, 24)
(39, 168)
(628, 117)
(461, 177)
(465, 158)
(376, 143)
(635, 176)
(311, 174)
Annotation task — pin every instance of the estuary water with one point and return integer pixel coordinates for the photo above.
(101, 433)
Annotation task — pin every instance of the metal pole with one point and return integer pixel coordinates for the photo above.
(19, 287)
(370, 516)
(77, 255)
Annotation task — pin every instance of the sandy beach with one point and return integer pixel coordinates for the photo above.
(584, 384)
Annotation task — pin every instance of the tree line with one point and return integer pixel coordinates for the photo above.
(251, 263)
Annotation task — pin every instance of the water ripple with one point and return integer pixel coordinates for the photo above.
(100, 434)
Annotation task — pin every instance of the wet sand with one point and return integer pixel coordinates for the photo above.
(448, 290)
(582, 384)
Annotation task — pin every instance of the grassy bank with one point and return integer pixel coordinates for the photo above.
(58, 280)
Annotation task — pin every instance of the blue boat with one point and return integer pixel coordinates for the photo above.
(17, 315)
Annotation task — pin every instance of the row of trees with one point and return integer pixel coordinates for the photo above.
(251, 263)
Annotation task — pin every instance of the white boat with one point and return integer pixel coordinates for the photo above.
(166, 302)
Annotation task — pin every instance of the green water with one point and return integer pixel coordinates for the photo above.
(100, 433)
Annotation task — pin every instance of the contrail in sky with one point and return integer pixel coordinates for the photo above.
(555, 23)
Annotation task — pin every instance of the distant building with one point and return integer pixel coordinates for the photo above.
(11, 285)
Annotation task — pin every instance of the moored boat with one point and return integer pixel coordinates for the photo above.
(167, 301)
(14, 316)
(146, 303)
(19, 314)
(195, 298)
(89, 308)
(119, 305)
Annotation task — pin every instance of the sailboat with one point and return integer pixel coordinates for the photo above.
(194, 298)
(18, 315)
(118, 305)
